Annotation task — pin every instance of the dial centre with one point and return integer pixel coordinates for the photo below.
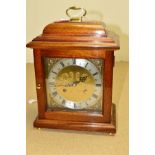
(75, 83)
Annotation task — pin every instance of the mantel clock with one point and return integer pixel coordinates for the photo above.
(74, 69)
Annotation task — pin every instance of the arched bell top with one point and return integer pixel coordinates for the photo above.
(74, 33)
(67, 28)
(66, 31)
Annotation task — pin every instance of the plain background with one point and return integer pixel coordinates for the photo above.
(13, 66)
(113, 13)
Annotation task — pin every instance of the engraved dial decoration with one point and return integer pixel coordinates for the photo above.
(74, 83)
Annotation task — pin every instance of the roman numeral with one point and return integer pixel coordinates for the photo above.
(74, 105)
(51, 84)
(94, 95)
(95, 73)
(98, 85)
(74, 61)
(63, 101)
(54, 93)
(54, 72)
(86, 65)
(62, 64)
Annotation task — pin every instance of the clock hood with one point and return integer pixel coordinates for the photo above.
(90, 34)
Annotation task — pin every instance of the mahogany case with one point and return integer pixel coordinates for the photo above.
(67, 39)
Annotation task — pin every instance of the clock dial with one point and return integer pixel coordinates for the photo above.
(75, 83)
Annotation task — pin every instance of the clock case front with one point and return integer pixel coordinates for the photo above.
(85, 40)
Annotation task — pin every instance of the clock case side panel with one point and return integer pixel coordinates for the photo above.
(76, 53)
(40, 83)
(108, 83)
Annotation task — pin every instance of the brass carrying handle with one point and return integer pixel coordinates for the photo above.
(77, 18)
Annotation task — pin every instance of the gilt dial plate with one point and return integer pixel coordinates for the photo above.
(74, 83)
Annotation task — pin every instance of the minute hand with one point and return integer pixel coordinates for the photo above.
(82, 79)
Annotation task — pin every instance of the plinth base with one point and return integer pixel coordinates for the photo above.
(80, 126)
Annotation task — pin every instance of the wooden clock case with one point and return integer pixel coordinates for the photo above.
(67, 39)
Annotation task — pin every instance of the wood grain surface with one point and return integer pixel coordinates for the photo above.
(75, 40)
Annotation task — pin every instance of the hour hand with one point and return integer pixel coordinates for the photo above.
(68, 84)
(83, 78)
(75, 83)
